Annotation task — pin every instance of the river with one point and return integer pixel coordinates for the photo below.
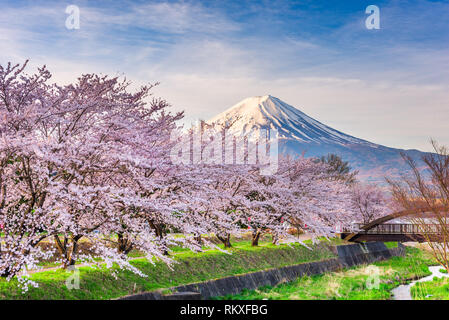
(403, 291)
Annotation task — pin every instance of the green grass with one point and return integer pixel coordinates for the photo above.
(349, 284)
(438, 289)
(100, 283)
(391, 245)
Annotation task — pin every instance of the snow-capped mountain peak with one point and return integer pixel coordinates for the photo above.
(301, 134)
(292, 124)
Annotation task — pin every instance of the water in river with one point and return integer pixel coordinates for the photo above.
(403, 292)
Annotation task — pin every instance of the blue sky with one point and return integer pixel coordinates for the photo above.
(389, 86)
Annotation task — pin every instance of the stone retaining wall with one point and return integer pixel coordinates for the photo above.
(348, 256)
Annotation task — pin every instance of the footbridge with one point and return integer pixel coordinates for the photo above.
(381, 230)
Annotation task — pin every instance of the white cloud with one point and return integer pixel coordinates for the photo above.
(164, 17)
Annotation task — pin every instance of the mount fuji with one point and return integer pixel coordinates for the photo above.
(299, 133)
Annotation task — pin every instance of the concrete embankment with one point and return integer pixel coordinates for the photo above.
(348, 256)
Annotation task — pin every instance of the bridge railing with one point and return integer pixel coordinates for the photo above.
(401, 228)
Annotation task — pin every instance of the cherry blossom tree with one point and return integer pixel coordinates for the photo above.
(24, 178)
(217, 196)
(313, 197)
(77, 159)
(303, 190)
(369, 202)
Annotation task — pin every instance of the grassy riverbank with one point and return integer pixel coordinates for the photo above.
(357, 283)
(438, 289)
(100, 283)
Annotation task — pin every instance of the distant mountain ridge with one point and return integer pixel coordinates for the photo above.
(299, 133)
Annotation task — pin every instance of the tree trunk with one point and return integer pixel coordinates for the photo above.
(255, 238)
(274, 239)
(226, 240)
(159, 230)
(124, 244)
(66, 251)
(5, 274)
(227, 243)
(199, 240)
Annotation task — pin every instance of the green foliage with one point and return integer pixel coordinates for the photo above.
(340, 168)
